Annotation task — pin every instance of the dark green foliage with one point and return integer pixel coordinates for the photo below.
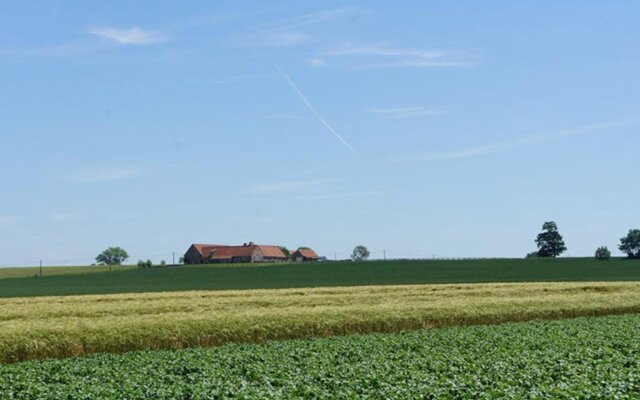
(550, 243)
(360, 253)
(533, 254)
(112, 256)
(145, 264)
(603, 253)
(399, 272)
(586, 358)
(286, 251)
(630, 244)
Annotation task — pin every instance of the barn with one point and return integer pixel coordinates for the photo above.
(246, 253)
(304, 254)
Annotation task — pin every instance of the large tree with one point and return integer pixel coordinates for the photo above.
(630, 244)
(112, 256)
(549, 241)
(360, 253)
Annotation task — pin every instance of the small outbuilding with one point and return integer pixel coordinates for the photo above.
(304, 254)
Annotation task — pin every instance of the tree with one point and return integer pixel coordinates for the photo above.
(112, 256)
(630, 244)
(163, 263)
(550, 243)
(360, 253)
(533, 254)
(286, 251)
(603, 253)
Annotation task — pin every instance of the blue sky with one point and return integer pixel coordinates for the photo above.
(442, 128)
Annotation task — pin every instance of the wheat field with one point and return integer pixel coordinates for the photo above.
(65, 326)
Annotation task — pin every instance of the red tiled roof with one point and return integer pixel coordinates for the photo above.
(308, 253)
(219, 251)
(205, 249)
(272, 251)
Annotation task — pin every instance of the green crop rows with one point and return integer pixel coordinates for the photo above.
(329, 274)
(580, 358)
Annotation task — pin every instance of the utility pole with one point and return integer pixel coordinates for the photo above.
(384, 255)
(40, 267)
(174, 258)
(335, 256)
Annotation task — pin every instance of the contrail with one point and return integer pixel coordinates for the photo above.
(313, 110)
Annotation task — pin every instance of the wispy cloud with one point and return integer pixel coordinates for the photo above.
(285, 39)
(404, 112)
(8, 219)
(70, 215)
(521, 142)
(307, 19)
(129, 36)
(387, 56)
(341, 195)
(105, 174)
(283, 116)
(313, 110)
(287, 32)
(292, 186)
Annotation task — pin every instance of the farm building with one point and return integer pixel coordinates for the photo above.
(246, 253)
(304, 254)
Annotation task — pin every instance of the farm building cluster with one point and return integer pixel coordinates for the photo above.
(245, 253)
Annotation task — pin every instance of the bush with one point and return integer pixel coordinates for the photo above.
(533, 254)
(603, 253)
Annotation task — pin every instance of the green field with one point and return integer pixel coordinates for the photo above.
(20, 272)
(586, 358)
(328, 274)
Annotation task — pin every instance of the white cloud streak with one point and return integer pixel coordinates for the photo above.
(519, 143)
(385, 56)
(70, 215)
(307, 19)
(343, 195)
(129, 36)
(404, 112)
(285, 32)
(289, 186)
(285, 39)
(283, 116)
(8, 219)
(313, 110)
(106, 174)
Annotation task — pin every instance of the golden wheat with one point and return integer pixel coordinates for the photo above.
(41, 327)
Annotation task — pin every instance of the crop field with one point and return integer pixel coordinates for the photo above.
(569, 359)
(43, 327)
(21, 272)
(328, 274)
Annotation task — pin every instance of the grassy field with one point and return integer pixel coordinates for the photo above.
(585, 358)
(40, 327)
(324, 275)
(21, 272)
